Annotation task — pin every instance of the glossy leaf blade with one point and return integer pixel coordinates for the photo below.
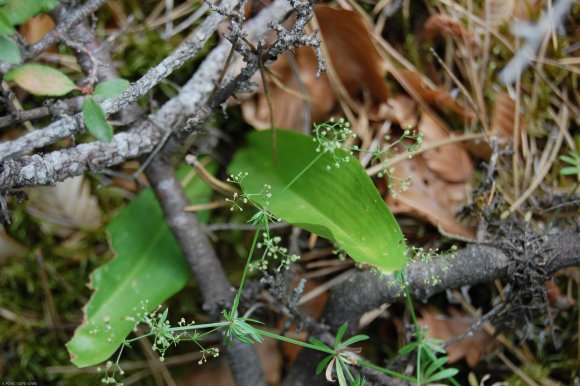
(41, 80)
(96, 121)
(9, 51)
(341, 204)
(110, 88)
(149, 266)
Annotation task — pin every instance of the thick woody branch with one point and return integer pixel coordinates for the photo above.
(70, 126)
(49, 168)
(58, 33)
(215, 288)
(365, 291)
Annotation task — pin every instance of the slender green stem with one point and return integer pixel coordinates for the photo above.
(239, 293)
(419, 365)
(199, 326)
(391, 373)
(296, 342)
(299, 175)
(454, 381)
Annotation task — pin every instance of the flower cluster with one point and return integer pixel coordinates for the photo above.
(273, 251)
(333, 137)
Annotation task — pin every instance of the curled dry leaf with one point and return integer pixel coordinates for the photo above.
(447, 327)
(438, 176)
(404, 111)
(449, 26)
(429, 197)
(451, 162)
(65, 207)
(354, 58)
(438, 97)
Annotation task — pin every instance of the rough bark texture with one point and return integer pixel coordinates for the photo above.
(215, 288)
(47, 169)
(365, 291)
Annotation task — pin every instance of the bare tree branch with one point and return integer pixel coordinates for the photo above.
(215, 288)
(58, 33)
(56, 166)
(475, 264)
(70, 126)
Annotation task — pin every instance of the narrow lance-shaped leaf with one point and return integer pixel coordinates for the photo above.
(149, 267)
(96, 121)
(41, 80)
(342, 204)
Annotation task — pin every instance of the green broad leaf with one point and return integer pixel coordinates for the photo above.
(6, 27)
(20, 11)
(41, 80)
(96, 121)
(148, 267)
(341, 204)
(110, 88)
(9, 51)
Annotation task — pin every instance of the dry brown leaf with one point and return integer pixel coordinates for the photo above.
(444, 24)
(352, 51)
(451, 162)
(65, 207)
(555, 296)
(503, 116)
(34, 29)
(430, 197)
(447, 327)
(404, 110)
(353, 56)
(438, 97)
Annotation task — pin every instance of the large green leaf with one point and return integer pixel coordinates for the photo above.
(149, 267)
(340, 204)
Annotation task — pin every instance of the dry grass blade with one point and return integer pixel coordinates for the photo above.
(497, 11)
